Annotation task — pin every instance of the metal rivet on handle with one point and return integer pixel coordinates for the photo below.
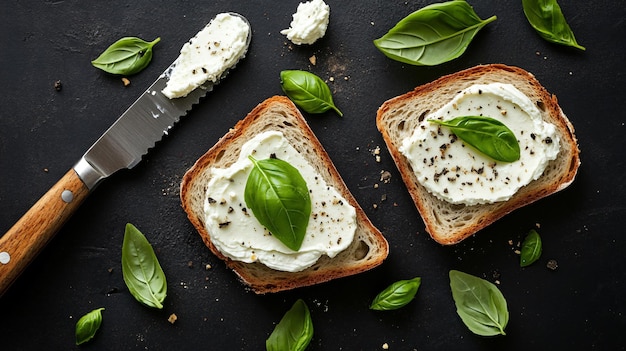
(67, 196)
(5, 257)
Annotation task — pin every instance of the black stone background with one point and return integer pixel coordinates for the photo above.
(43, 132)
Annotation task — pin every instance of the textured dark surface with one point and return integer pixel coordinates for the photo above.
(43, 132)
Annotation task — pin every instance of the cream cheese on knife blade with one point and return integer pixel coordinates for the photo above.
(237, 234)
(457, 173)
(208, 55)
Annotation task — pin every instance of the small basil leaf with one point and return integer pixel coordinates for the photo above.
(141, 270)
(396, 295)
(294, 331)
(279, 199)
(432, 35)
(531, 249)
(88, 325)
(485, 134)
(126, 56)
(546, 17)
(308, 91)
(479, 303)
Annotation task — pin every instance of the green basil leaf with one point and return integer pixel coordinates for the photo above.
(479, 303)
(142, 272)
(485, 134)
(126, 56)
(531, 249)
(546, 17)
(279, 199)
(396, 295)
(432, 35)
(294, 331)
(308, 91)
(88, 325)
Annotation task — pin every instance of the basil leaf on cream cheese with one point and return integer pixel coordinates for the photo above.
(141, 270)
(279, 198)
(126, 56)
(487, 135)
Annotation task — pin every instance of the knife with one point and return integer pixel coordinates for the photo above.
(122, 146)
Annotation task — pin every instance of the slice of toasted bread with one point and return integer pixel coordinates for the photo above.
(368, 249)
(449, 223)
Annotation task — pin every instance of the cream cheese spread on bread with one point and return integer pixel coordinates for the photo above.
(457, 173)
(237, 234)
(207, 55)
(309, 23)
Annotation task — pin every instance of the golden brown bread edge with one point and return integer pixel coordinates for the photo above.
(435, 211)
(369, 247)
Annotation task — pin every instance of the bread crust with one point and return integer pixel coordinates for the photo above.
(447, 223)
(369, 247)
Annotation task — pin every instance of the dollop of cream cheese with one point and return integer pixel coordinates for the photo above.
(206, 56)
(237, 234)
(309, 23)
(458, 173)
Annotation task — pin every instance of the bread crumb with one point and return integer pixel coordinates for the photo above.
(313, 60)
(190, 264)
(332, 79)
(172, 318)
(125, 81)
(207, 267)
(58, 86)
(375, 185)
(552, 264)
(385, 177)
(385, 346)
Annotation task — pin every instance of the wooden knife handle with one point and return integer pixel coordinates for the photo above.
(21, 244)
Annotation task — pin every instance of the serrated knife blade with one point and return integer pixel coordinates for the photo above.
(121, 146)
(137, 130)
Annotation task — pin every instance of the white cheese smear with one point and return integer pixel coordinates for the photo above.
(206, 56)
(237, 234)
(309, 23)
(456, 172)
